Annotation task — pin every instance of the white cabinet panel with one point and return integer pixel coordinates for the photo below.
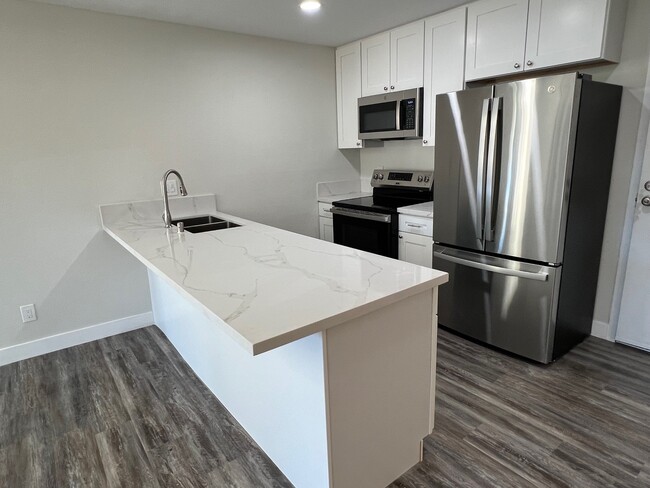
(326, 229)
(415, 249)
(348, 90)
(569, 31)
(496, 38)
(406, 56)
(375, 67)
(444, 63)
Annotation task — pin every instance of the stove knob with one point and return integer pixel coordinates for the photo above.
(375, 176)
(420, 178)
(426, 179)
(381, 176)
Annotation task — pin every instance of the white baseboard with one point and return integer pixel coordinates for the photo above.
(64, 340)
(601, 330)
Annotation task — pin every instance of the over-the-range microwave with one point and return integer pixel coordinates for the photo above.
(394, 115)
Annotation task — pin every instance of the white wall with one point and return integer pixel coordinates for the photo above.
(96, 107)
(631, 74)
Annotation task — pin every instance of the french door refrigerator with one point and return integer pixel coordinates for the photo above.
(521, 183)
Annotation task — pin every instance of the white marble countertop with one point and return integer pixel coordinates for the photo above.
(419, 209)
(346, 196)
(267, 287)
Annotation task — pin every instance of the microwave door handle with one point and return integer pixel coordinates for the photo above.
(398, 109)
(491, 171)
(480, 177)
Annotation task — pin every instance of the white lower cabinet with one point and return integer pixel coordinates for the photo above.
(415, 249)
(326, 229)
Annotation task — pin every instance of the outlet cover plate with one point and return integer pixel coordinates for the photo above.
(172, 188)
(28, 313)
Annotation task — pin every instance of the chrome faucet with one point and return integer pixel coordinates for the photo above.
(167, 217)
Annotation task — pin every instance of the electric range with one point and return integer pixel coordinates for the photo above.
(371, 223)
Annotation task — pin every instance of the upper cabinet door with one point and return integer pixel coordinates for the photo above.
(444, 63)
(407, 56)
(496, 38)
(570, 31)
(375, 64)
(348, 91)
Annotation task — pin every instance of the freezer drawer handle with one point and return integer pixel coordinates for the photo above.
(494, 269)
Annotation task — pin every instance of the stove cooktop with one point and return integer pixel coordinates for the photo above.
(376, 204)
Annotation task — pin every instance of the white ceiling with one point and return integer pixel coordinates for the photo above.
(338, 22)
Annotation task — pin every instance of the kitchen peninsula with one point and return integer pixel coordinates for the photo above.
(324, 354)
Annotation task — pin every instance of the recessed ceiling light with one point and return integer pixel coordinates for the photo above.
(310, 6)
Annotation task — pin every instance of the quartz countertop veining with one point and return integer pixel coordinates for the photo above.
(266, 286)
(333, 191)
(424, 209)
(346, 196)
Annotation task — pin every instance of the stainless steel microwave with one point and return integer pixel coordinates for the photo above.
(395, 115)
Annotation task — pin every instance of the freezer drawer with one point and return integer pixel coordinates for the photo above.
(508, 304)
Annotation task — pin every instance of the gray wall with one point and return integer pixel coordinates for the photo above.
(96, 107)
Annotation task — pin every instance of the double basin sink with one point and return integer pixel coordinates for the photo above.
(205, 223)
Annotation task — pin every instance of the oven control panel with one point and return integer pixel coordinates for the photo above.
(403, 178)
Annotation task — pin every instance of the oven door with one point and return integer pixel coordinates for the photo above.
(367, 231)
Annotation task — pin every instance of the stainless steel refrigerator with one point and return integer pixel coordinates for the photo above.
(521, 183)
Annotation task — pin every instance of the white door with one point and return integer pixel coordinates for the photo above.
(496, 38)
(415, 249)
(444, 63)
(348, 90)
(565, 31)
(326, 229)
(634, 318)
(407, 56)
(375, 64)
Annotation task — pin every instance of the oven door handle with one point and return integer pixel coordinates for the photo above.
(362, 214)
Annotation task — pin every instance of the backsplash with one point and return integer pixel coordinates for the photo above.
(408, 154)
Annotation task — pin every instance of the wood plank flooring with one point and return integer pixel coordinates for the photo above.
(121, 412)
(581, 422)
(127, 411)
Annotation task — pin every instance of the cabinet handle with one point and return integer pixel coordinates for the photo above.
(385, 88)
(358, 143)
(425, 141)
(400, 237)
(517, 65)
(529, 63)
(392, 87)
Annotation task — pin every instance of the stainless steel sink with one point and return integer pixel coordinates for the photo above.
(205, 223)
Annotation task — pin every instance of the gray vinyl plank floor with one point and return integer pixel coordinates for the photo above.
(127, 411)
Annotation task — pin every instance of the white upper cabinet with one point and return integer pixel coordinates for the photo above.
(511, 36)
(375, 64)
(393, 60)
(496, 38)
(444, 63)
(406, 56)
(564, 32)
(348, 90)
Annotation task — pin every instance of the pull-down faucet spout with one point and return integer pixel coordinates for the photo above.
(167, 217)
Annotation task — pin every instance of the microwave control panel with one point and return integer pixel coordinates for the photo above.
(409, 179)
(408, 114)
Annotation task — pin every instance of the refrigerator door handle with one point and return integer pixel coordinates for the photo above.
(491, 169)
(480, 177)
(541, 276)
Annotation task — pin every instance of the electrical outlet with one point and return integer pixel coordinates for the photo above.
(172, 188)
(28, 313)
